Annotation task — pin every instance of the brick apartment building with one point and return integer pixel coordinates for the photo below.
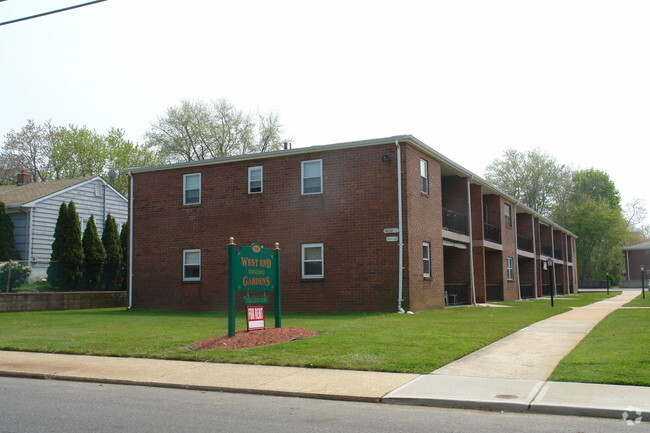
(374, 225)
(637, 256)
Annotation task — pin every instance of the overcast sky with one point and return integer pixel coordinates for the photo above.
(469, 78)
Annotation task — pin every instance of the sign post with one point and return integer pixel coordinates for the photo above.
(253, 269)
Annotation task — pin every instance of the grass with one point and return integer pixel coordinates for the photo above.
(615, 352)
(35, 287)
(418, 343)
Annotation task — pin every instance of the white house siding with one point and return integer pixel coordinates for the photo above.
(20, 220)
(91, 198)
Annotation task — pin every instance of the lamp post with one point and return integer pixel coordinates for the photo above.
(607, 274)
(642, 281)
(549, 263)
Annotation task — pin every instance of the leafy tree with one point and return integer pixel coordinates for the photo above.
(28, 149)
(601, 234)
(14, 274)
(532, 177)
(77, 152)
(94, 255)
(111, 242)
(7, 249)
(67, 250)
(196, 130)
(595, 184)
(123, 154)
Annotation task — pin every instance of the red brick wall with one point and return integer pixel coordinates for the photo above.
(509, 245)
(423, 223)
(359, 200)
(638, 258)
(454, 194)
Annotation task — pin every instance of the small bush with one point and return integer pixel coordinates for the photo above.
(19, 274)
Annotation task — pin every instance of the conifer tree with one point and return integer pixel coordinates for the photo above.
(94, 256)
(124, 243)
(72, 255)
(55, 274)
(7, 249)
(111, 242)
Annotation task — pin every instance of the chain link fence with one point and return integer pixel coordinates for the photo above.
(48, 276)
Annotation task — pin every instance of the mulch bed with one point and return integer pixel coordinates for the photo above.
(247, 339)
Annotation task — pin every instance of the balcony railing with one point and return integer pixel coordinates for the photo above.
(492, 233)
(494, 292)
(457, 294)
(525, 244)
(547, 250)
(454, 221)
(527, 291)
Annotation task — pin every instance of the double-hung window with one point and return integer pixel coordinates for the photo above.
(424, 176)
(510, 268)
(312, 261)
(426, 259)
(508, 214)
(255, 179)
(192, 188)
(312, 177)
(191, 265)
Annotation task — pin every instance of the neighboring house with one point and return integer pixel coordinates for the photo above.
(373, 225)
(34, 209)
(635, 257)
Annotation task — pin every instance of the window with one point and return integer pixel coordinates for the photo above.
(255, 177)
(424, 176)
(192, 188)
(191, 265)
(508, 214)
(510, 269)
(312, 177)
(312, 261)
(426, 259)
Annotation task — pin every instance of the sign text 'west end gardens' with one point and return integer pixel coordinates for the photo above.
(253, 269)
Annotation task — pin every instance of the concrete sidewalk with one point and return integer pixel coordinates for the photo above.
(508, 375)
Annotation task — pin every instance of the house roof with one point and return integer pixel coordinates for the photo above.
(641, 246)
(16, 196)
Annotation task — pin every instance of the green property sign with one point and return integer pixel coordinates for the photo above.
(253, 269)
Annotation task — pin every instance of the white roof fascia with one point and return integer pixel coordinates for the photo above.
(54, 194)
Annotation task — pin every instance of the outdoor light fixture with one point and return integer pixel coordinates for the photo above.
(549, 263)
(385, 158)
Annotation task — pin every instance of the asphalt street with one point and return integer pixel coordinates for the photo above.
(32, 405)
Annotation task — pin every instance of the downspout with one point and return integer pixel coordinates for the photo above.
(532, 218)
(400, 281)
(130, 240)
(471, 242)
(516, 264)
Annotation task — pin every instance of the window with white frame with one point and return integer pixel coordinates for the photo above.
(192, 188)
(312, 177)
(312, 261)
(191, 265)
(426, 259)
(510, 268)
(424, 175)
(508, 214)
(255, 179)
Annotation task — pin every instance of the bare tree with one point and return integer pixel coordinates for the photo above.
(196, 130)
(28, 149)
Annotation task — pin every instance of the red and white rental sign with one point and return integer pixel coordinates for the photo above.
(255, 315)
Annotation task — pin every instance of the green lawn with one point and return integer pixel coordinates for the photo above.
(417, 343)
(615, 352)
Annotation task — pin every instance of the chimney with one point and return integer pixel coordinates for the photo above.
(23, 178)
